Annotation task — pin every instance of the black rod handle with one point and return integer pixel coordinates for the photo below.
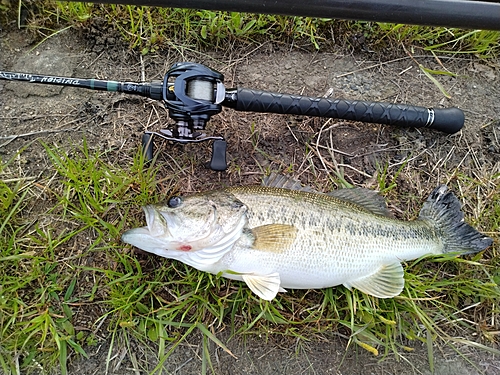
(447, 120)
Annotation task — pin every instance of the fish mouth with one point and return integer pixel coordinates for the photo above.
(166, 231)
(157, 222)
(151, 237)
(142, 239)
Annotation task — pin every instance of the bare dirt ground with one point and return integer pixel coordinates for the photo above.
(65, 116)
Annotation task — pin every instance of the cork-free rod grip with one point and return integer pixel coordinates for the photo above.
(448, 120)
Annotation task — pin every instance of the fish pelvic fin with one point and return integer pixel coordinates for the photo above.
(442, 211)
(387, 282)
(265, 286)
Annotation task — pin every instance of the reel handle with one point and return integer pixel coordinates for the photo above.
(219, 146)
(447, 120)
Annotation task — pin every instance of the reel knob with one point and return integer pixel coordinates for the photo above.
(218, 160)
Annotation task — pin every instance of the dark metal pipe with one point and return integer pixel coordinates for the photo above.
(468, 14)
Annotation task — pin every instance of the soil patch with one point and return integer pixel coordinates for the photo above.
(313, 150)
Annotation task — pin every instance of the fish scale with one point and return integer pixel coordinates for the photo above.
(274, 238)
(335, 243)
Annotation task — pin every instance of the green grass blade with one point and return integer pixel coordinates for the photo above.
(212, 337)
(438, 84)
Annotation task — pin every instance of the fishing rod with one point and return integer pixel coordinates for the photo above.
(193, 93)
(469, 14)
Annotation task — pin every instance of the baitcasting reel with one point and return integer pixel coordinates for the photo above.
(193, 93)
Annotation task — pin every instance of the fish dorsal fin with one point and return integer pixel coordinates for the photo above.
(265, 286)
(387, 282)
(366, 198)
(284, 182)
(274, 238)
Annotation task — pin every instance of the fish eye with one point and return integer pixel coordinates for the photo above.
(174, 202)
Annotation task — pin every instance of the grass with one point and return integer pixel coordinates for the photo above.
(152, 28)
(49, 280)
(65, 277)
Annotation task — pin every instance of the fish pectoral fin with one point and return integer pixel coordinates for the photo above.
(265, 286)
(387, 282)
(275, 238)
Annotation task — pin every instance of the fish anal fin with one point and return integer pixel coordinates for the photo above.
(387, 282)
(366, 198)
(265, 286)
(274, 238)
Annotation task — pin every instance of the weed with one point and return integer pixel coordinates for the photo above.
(483, 43)
(386, 183)
(77, 11)
(150, 28)
(167, 302)
(69, 261)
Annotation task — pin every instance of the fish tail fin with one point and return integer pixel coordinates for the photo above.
(443, 210)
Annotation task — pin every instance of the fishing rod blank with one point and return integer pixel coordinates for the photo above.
(468, 14)
(151, 90)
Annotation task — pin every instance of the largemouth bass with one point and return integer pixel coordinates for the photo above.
(286, 236)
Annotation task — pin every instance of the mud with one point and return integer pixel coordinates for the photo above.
(31, 114)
